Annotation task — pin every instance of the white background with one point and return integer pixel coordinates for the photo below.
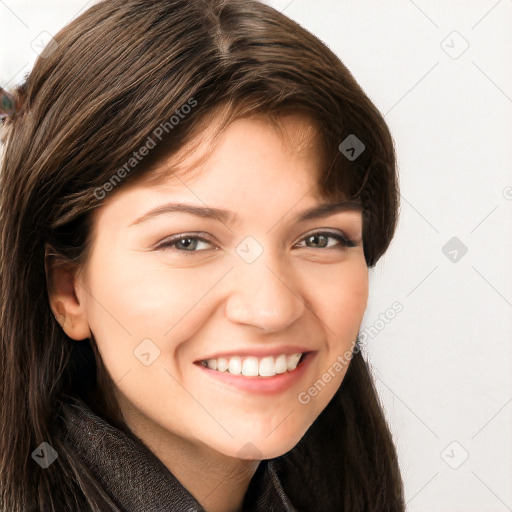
(443, 364)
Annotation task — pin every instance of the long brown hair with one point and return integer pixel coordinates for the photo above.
(117, 73)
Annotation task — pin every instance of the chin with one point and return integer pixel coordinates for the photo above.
(260, 447)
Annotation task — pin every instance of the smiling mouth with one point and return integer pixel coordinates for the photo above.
(251, 366)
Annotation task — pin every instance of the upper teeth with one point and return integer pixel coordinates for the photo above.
(253, 366)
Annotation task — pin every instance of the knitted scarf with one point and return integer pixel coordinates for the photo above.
(133, 479)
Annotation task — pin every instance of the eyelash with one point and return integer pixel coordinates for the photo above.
(345, 242)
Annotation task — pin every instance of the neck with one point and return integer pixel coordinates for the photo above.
(218, 482)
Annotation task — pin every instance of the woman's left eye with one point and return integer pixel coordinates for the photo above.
(321, 238)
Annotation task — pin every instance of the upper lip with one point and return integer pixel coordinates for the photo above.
(257, 352)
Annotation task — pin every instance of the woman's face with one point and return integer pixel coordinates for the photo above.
(165, 289)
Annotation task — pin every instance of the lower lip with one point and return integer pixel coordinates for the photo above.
(262, 385)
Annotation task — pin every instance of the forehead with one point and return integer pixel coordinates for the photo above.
(294, 136)
(255, 166)
(257, 173)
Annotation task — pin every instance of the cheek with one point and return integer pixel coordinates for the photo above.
(340, 307)
(340, 297)
(131, 300)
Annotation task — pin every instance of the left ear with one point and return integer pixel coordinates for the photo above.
(65, 303)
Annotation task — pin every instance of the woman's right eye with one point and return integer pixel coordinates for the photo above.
(184, 243)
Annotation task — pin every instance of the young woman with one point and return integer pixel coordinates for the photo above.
(192, 193)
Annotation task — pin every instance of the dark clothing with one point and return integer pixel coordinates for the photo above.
(135, 480)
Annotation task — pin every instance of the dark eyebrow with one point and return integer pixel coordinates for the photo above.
(323, 210)
(227, 217)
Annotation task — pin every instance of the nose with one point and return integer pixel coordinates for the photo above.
(263, 297)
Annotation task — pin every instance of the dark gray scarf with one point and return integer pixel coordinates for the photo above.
(133, 479)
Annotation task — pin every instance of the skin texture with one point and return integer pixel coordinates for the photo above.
(209, 300)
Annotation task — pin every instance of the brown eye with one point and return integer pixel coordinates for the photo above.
(184, 243)
(320, 240)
